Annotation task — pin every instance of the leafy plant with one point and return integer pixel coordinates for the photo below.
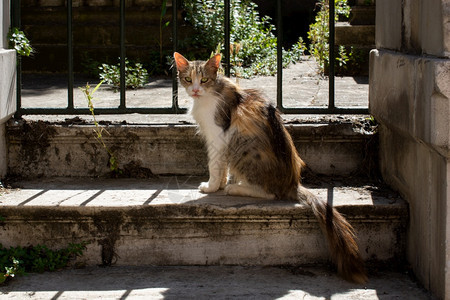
(253, 43)
(99, 131)
(19, 42)
(318, 34)
(135, 76)
(19, 260)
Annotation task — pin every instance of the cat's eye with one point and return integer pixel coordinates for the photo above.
(204, 80)
(188, 79)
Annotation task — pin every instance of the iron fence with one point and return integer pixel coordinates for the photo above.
(175, 108)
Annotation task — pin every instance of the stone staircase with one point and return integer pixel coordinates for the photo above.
(358, 33)
(60, 193)
(166, 221)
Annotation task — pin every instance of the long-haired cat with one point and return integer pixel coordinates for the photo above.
(250, 153)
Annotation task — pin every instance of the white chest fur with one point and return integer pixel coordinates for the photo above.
(204, 111)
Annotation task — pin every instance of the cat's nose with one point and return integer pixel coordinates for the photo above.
(195, 91)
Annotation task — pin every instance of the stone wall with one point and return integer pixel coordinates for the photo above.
(410, 97)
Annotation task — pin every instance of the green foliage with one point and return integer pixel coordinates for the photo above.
(19, 42)
(99, 131)
(135, 76)
(36, 259)
(318, 34)
(253, 42)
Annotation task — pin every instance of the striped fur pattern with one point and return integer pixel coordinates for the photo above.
(250, 153)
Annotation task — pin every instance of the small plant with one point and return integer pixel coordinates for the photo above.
(9, 271)
(35, 259)
(99, 131)
(318, 34)
(135, 76)
(19, 42)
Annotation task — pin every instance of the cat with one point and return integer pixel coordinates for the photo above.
(250, 153)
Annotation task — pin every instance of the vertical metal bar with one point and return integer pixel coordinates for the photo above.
(175, 47)
(227, 28)
(70, 55)
(279, 56)
(15, 16)
(122, 56)
(331, 104)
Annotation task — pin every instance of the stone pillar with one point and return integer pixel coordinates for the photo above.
(410, 97)
(7, 83)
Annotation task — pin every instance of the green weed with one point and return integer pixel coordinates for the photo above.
(19, 42)
(15, 261)
(135, 75)
(319, 33)
(99, 131)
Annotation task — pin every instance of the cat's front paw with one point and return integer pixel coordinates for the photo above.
(206, 187)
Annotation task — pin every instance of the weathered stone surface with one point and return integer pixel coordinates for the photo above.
(201, 282)
(414, 26)
(421, 175)
(7, 84)
(347, 34)
(410, 97)
(41, 149)
(7, 101)
(388, 22)
(412, 94)
(362, 15)
(166, 221)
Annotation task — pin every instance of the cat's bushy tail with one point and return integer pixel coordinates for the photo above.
(340, 235)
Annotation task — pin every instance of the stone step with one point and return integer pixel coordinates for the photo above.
(70, 149)
(355, 35)
(211, 282)
(166, 221)
(362, 15)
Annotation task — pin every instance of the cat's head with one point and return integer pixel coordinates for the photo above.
(197, 77)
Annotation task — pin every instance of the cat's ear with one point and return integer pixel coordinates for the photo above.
(214, 62)
(181, 61)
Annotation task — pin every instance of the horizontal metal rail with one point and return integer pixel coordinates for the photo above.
(175, 109)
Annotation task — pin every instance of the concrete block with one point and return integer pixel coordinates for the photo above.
(420, 27)
(7, 84)
(362, 15)
(446, 27)
(421, 176)
(434, 27)
(4, 23)
(7, 101)
(412, 94)
(391, 88)
(410, 97)
(347, 34)
(388, 32)
(432, 117)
